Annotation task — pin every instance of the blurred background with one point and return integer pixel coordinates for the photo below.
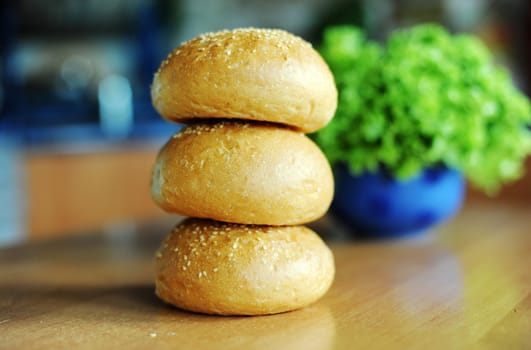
(78, 134)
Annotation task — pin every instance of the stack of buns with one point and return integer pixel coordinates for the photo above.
(245, 172)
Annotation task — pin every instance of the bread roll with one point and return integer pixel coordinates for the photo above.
(243, 173)
(255, 74)
(229, 269)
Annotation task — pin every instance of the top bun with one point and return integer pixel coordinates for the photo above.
(253, 74)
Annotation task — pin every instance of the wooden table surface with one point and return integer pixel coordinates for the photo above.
(466, 285)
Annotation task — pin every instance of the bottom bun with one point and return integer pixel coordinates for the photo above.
(231, 269)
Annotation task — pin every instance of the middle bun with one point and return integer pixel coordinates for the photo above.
(243, 173)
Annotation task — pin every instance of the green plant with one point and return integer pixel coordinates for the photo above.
(426, 98)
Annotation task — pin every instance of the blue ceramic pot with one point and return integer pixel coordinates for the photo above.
(377, 205)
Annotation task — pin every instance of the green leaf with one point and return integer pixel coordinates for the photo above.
(424, 98)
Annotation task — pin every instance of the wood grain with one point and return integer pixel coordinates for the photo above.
(466, 285)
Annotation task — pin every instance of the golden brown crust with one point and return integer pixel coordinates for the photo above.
(255, 74)
(219, 268)
(243, 173)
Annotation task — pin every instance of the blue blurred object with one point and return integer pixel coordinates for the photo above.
(378, 206)
(55, 60)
